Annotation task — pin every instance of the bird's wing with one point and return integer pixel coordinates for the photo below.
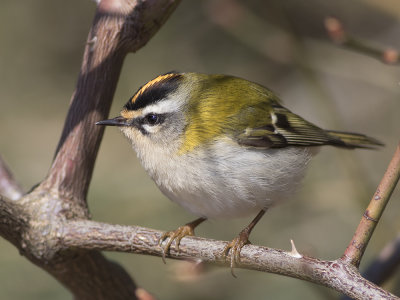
(284, 128)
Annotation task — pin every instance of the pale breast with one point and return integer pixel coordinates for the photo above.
(227, 180)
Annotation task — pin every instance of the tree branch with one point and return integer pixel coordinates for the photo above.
(119, 27)
(13, 221)
(336, 274)
(34, 222)
(338, 35)
(373, 213)
(382, 268)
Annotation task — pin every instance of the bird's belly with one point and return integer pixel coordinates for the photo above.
(232, 181)
(214, 205)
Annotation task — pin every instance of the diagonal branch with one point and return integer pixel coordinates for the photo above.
(373, 213)
(119, 27)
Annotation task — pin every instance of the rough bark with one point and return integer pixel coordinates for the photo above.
(35, 222)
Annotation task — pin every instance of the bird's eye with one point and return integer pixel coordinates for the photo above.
(152, 119)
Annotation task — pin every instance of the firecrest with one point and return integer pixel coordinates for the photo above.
(221, 147)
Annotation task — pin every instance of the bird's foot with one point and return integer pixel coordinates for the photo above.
(232, 250)
(177, 235)
(234, 247)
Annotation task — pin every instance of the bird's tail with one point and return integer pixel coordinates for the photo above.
(353, 140)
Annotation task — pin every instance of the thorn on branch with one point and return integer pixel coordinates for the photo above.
(294, 252)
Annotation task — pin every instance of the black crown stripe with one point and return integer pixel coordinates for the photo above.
(154, 91)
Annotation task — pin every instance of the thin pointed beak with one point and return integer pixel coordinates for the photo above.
(117, 121)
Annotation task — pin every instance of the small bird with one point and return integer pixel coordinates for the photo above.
(221, 147)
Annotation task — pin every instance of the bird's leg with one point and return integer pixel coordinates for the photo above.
(236, 245)
(177, 235)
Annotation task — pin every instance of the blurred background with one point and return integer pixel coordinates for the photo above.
(279, 44)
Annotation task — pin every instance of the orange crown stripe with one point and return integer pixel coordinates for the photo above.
(151, 83)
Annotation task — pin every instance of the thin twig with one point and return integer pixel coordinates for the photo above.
(339, 36)
(373, 213)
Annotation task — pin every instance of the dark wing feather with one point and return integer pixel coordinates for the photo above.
(289, 129)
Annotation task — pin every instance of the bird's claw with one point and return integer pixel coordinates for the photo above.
(233, 249)
(176, 236)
